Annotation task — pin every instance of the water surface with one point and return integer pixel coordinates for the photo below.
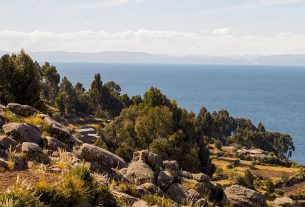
(274, 95)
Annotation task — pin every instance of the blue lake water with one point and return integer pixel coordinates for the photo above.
(274, 95)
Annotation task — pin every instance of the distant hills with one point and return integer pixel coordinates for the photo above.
(141, 57)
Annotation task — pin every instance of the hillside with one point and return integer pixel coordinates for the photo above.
(43, 157)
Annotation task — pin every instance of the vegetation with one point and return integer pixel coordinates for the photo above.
(75, 188)
(151, 122)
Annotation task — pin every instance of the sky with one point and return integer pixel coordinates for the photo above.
(172, 27)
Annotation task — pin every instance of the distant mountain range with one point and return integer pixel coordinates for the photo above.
(141, 57)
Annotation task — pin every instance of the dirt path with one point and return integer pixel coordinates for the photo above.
(9, 178)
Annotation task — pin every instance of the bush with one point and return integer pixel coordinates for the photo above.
(220, 174)
(157, 200)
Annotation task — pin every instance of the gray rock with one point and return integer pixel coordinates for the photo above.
(201, 177)
(22, 132)
(3, 164)
(22, 110)
(3, 120)
(171, 165)
(60, 132)
(201, 203)
(152, 159)
(3, 153)
(2, 107)
(152, 188)
(177, 193)
(164, 179)
(94, 154)
(34, 152)
(54, 144)
(187, 175)
(284, 202)
(192, 195)
(138, 172)
(6, 142)
(240, 196)
(20, 163)
(140, 203)
(128, 199)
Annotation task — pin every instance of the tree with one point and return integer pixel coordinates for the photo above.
(50, 81)
(154, 97)
(96, 93)
(261, 127)
(67, 98)
(20, 80)
(7, 73)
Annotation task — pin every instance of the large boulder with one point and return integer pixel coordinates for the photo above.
(53, 144)
(22, 132)
(6, 142)
(284, 202)
(164, 179)
(59, 131)
(177, 193)
(240, 196)
(94, 154)
(139, 172)
(34, 153)
(22, 110)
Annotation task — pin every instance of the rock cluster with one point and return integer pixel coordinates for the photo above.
(164, 177)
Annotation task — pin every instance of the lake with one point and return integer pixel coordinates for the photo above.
(273, 95)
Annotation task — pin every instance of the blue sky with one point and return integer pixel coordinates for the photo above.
(175, 27)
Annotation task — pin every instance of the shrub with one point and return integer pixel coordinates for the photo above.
(220, 174)
(234, 164)
(157, 200)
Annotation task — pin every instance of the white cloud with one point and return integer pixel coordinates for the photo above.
(254, 5)
(223, 31)
(105, 3)
(162, 42)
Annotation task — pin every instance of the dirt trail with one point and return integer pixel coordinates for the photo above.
(9, 178)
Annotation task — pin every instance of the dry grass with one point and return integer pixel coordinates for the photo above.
(11, 158)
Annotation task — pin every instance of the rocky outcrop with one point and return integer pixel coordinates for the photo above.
(240, 196)
(152, 159)
(284, 202)
(22, 110)
(34, 153)
(100, 156)
(165, 178)
(22, 132)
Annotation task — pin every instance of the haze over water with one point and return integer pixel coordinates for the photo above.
(273, 95)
